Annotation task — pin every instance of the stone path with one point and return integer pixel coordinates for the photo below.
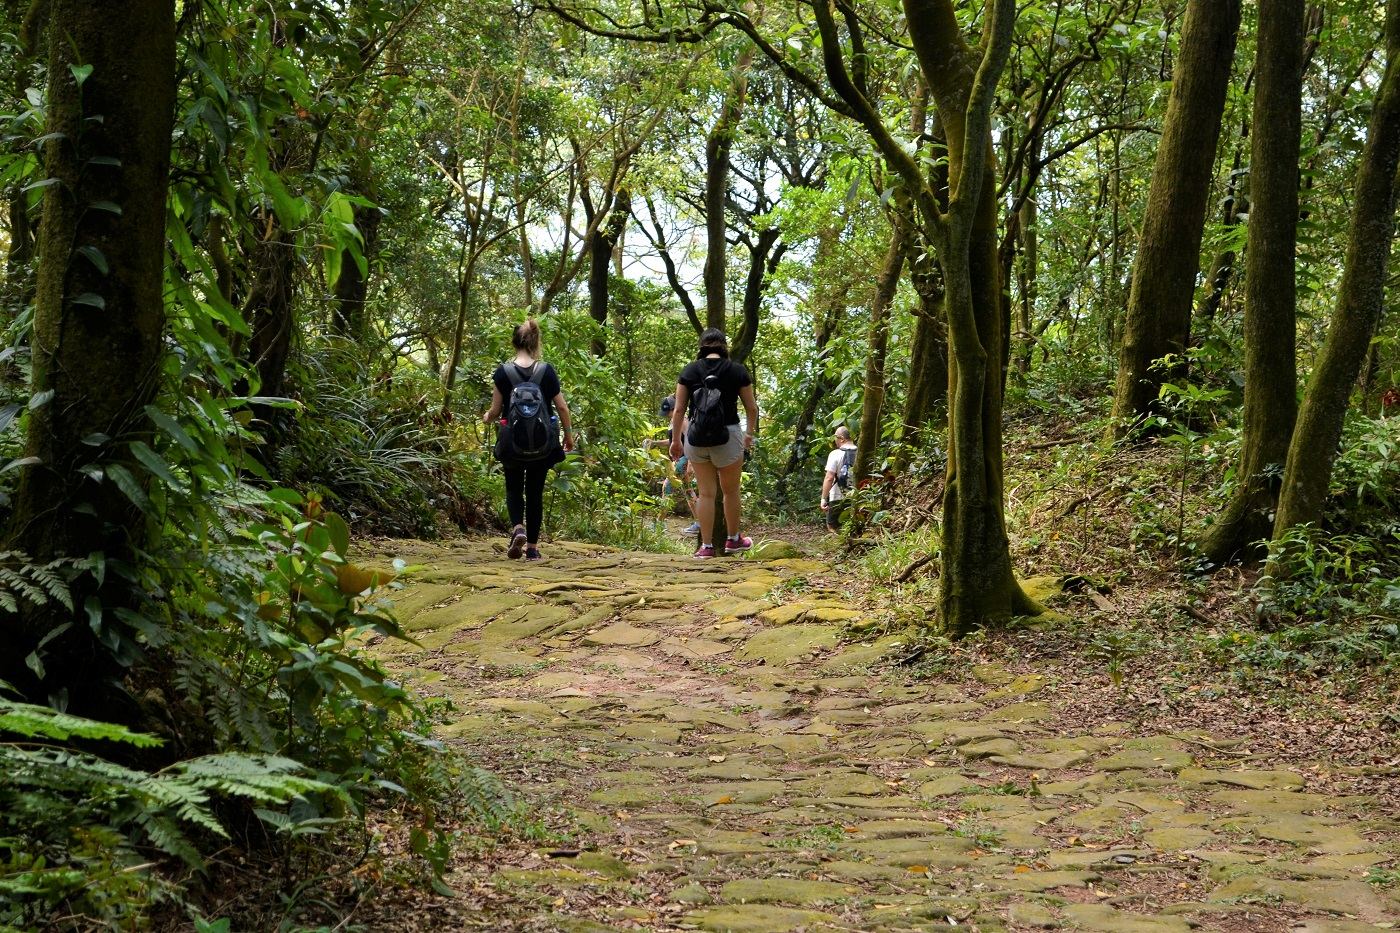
(732, 758)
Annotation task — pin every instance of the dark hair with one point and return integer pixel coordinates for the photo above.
(713, 341)
(527, 337)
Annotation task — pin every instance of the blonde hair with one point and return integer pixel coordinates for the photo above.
(527, 337)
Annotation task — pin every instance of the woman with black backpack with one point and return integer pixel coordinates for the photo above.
(707, 403)
(528, 408)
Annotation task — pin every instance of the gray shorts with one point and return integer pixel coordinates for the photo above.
(721, 455)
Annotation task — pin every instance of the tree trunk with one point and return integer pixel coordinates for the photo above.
(605, 238)
(928, 355)
(873, 399)
(1270, 325)
(977, 586)
(718, 148)
(1030, 259)
(97, 338)
(270, 316)
(349, 317)
(767, 252)
(1168, 258)
(1313, 448)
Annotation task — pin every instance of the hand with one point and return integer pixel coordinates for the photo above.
(825, 506)
(748, 442)
(568, 442)
(676, 449)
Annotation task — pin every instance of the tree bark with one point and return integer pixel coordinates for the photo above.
(718, 149)
(1168, 258)
(600, 255)
(1313, 448)
(98, 329)
(349, 314)
(873, 399)
(1270, 320)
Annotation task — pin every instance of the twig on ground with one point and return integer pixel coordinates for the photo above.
(909, 571)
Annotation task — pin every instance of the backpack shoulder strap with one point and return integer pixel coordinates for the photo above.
(518, 378)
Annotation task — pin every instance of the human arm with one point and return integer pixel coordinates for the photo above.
(751, 411)
(678, 421)
(494, 411)
(827, 482)
(565, 421)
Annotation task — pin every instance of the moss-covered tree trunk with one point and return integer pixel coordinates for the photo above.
(99, 321)
(1168, 258)
(977, 585)
(873, 397)
(928, 354)
(1313, 447)
(1270, 325)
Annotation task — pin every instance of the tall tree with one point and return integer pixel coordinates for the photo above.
(98, 327)
(1313, 447)
(1168, 258)
(1270, 310)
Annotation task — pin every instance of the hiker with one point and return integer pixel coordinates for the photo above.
(682, 476)
(705, 429)
(836, 485)
(528, 408)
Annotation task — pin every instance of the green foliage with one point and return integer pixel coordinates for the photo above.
(1329, 602)
(76, 829)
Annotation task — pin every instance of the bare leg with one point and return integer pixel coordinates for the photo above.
(708, 481)
(729, 478)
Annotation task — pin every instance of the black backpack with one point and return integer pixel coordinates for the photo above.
(528, 433)
(848, 461)
(708, 427)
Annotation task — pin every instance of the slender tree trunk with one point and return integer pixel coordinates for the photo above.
(767, 252)
(1168, 258)
(1313, 448)
(718, 148)
(605, 239)
(1270, 325)
(97, 338)
(873, 399)
(1030, 259)
(1222, 267)
(349, 316)
(928, 355)
(269, 312)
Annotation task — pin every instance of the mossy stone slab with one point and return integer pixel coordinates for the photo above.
(756, 918)
(788, 643)
(1253, 780)
(1102, 918)
(800, 892)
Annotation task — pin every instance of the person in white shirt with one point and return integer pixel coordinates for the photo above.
(840, 476)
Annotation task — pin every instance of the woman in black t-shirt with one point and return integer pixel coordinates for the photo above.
(717, 466)
(525, 481)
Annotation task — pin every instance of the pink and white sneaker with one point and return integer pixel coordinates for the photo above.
(734, 544)
(705, 550)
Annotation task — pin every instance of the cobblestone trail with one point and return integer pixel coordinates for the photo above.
(735, 760)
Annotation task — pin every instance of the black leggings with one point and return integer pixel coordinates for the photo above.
(525, 497)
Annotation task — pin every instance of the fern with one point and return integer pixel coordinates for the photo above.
(23, 581)
(42, 722)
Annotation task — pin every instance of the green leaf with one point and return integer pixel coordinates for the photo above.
(80, 73)
(127, 483)
(91, 300)
(110, 207)
(340, 533)
(94, 256)
(153, 462)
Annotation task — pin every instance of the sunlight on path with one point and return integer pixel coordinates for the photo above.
(733, 763)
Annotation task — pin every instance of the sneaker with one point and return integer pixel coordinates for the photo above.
(692, 529)
(533, 553)
(734, 544)
(705, 550)
(517, 542)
